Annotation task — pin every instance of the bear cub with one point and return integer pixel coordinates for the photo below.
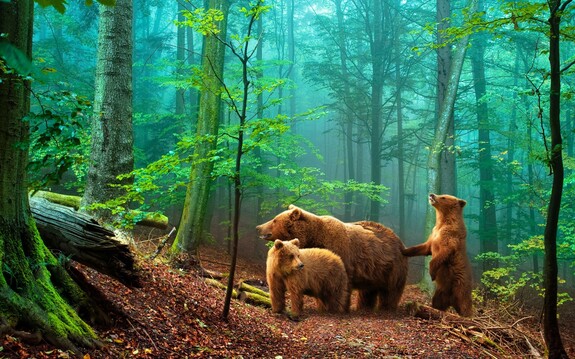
(449, 266)
(316, 272)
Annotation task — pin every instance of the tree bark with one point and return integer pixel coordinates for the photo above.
(446, 169)
(487, 217)
(112, 137)
(444, 120)
(377, 50)
(550, 323)
(36, 293)
(191, 229)
(79, 237)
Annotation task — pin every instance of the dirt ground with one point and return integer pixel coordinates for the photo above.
(176, 314)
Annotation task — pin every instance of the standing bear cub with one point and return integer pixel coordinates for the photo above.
(371, 252)
(449, 266)
(315, 272)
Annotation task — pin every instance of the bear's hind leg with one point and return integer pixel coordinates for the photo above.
(441, 300)
(462, 302)
(366, 299)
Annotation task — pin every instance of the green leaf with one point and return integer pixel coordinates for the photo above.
(15, 58)
(107, 2)
(59, 5)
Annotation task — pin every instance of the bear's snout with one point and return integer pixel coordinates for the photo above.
(262, 235)
(300, 266)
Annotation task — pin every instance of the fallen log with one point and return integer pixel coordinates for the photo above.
(260, 299)
(80, 238)
(149, 219)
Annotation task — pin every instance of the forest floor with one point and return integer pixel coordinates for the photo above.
(177, 315)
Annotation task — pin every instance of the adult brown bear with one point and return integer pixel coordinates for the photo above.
(449, 266)
(371, 252)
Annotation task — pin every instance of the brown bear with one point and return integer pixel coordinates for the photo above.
(316, 272)
(371, 252)
(449, 266)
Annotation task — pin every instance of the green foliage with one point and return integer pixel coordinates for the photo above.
(59, 139)
(60, 5)
(203, 21)
(15, 60)
(505, 282)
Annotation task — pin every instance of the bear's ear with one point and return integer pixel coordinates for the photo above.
(292, 206)
(278, 244)
(295, 242)
(295, 213)
(462, 203)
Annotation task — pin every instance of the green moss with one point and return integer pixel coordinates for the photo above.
(35, 297)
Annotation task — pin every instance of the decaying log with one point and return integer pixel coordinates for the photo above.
(255, 297)
(151, 219)
(79, 237)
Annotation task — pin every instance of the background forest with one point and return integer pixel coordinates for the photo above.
(340, 103)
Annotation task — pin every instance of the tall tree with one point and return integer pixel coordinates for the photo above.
(191, 227)
(444, 122)
(112, 137)
(555, 153)
(487, 216)
(36, 292)
(447, 164)
(377, 48)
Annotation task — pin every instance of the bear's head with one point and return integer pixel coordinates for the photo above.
(447, 204)
(287, 256)
(284, 226)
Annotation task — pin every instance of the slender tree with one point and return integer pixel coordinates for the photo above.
(447, 159)
(550, 270)
(244, 54)
(191, 227)
(111, 154)
(36, 292)
(377, 48)
(487, 216)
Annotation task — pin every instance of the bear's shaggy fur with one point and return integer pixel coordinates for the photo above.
(316, 272)
(371, 252)
(449, 266)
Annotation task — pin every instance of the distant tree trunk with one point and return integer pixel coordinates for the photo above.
(193, 93)
(291, 56)
(347, 118)
(180, 57)
(377, 49)
(36, 293)
(191, 227)
(399, 111)
(441, 133)
(112, 137)
(550, 324)
(487, 211)
(447, 164)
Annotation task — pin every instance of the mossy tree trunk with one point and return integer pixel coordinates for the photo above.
(36, 293)
(191, 227)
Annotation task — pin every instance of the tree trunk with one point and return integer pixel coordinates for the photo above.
(79, 237)
(36, 293)
(442, 127)
(377, 50)
(191, 229)
(112, 137)
(550, 324)
(345, 112)
(180, 57)
(447, 160)
(487, 217)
